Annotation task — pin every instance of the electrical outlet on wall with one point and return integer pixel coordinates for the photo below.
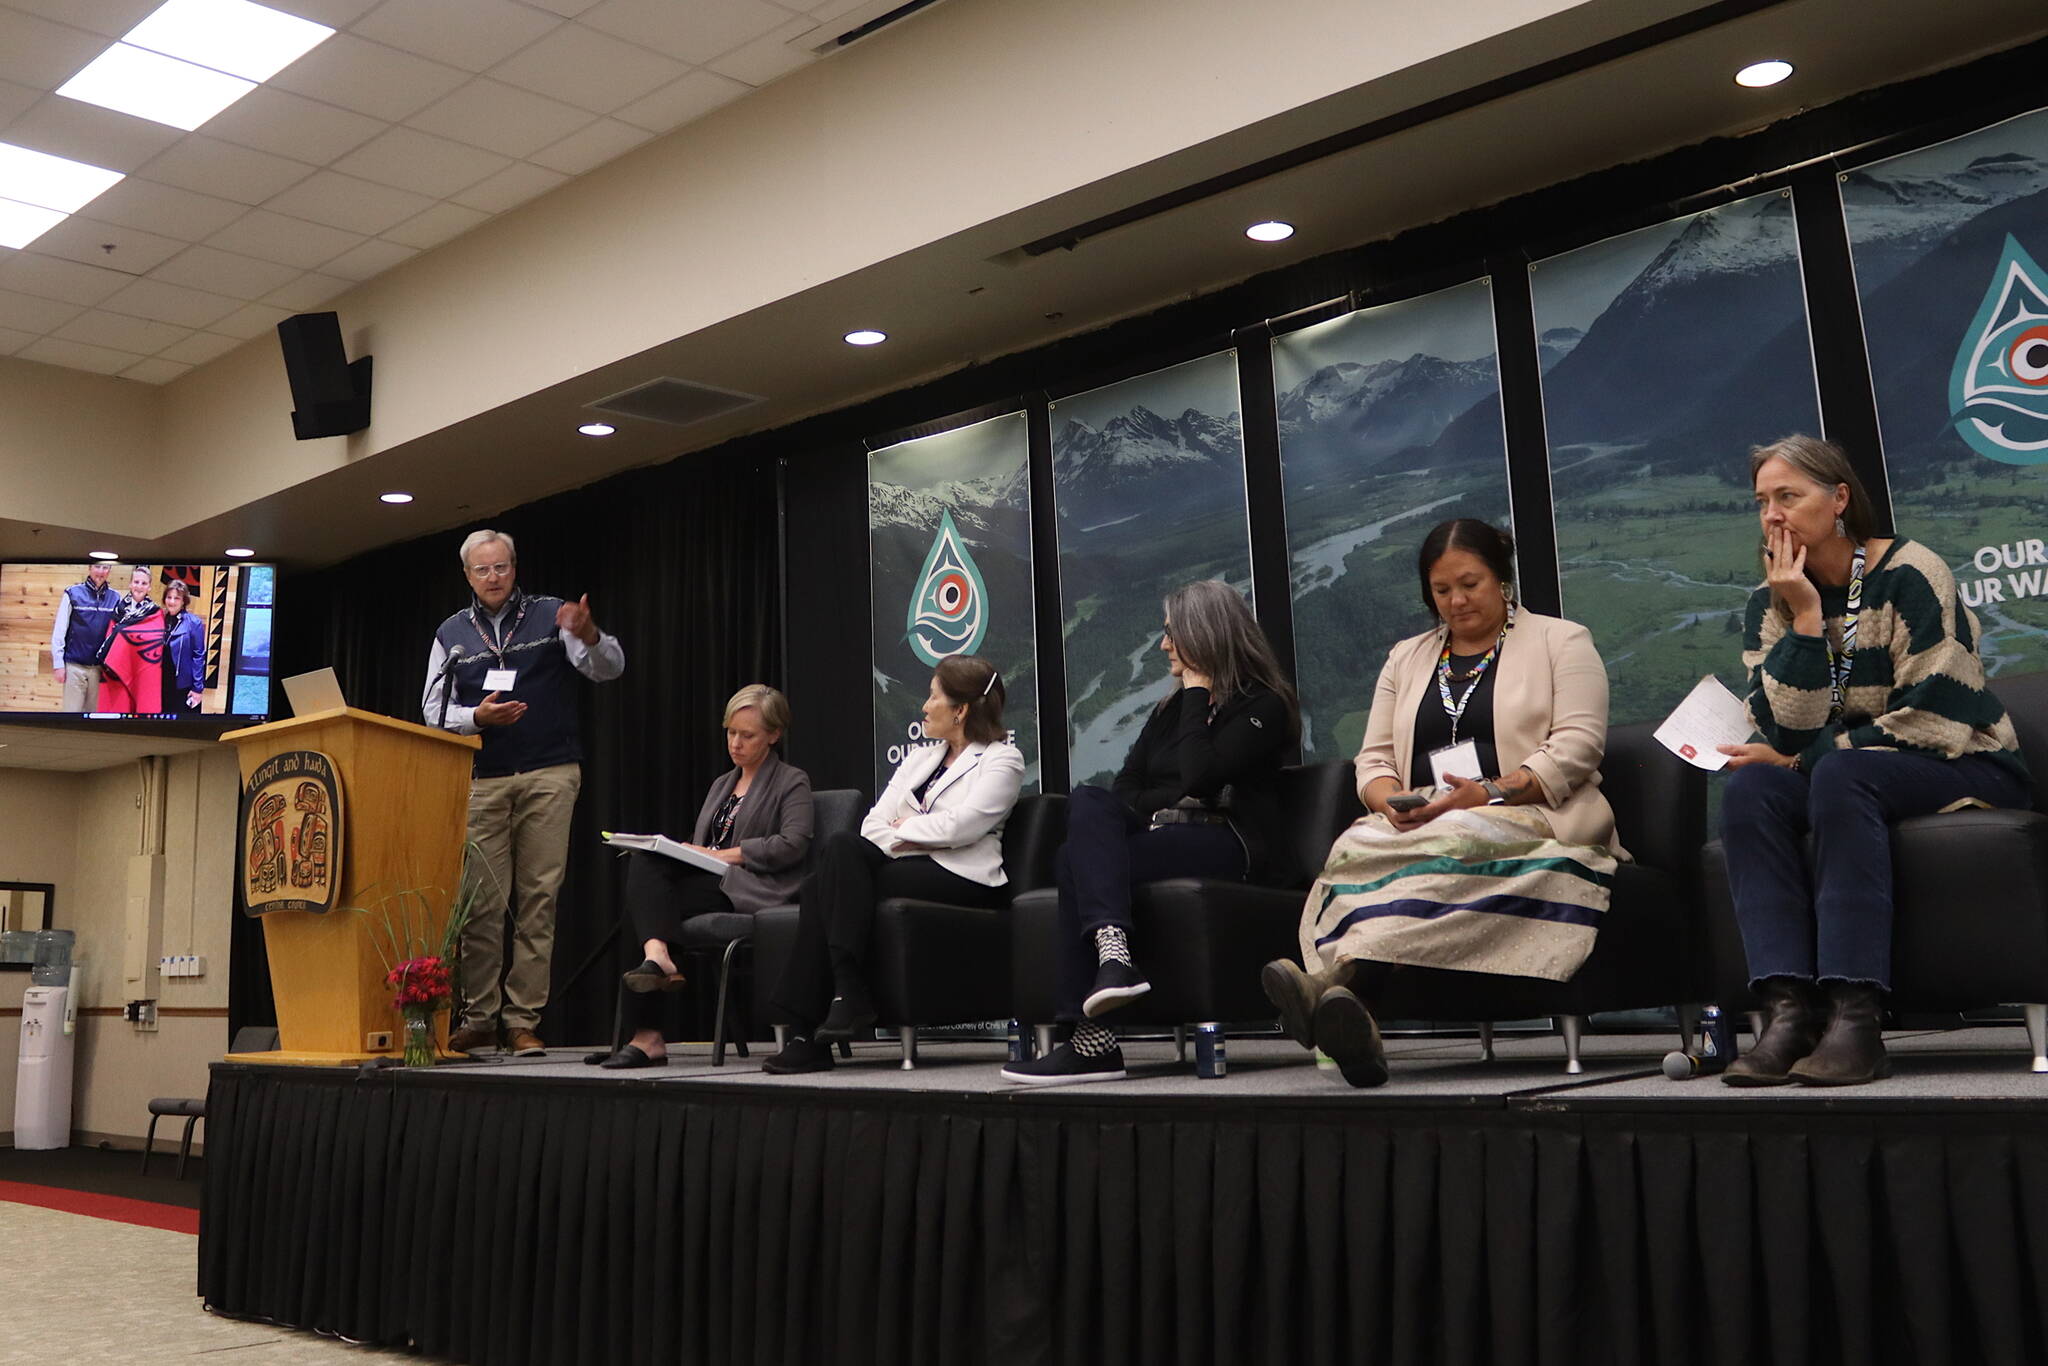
(377, 1041)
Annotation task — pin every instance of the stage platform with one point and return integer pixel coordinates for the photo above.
(537, 1210)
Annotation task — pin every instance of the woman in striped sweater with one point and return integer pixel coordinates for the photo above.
(1865, 684)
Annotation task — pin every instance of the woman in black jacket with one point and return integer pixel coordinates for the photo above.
(1197, 797)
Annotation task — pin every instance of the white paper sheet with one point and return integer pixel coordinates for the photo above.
(668, 848)
(1709, 716)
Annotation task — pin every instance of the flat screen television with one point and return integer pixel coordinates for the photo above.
(180, 643)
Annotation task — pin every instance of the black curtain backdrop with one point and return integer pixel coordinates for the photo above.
(506, 1223)
(681, 563)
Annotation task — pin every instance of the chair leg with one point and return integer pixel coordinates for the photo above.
(907, 1037)
(1573, 1028)
(1486, 1041)
(2037, 1035)
(724, 991)
(148, 1140)
(781, 1036)
(1044, 1036)
(1180, 1043)
(846, 1048)
(1688, 1025)
(185, 1145)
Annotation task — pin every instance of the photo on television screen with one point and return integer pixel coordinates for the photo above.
(137, 641)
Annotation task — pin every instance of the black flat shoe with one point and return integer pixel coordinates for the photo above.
(632, 1056)
(651, 976)
(800, 1055)
(845, 1020)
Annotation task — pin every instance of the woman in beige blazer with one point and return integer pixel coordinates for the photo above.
(1487, 847)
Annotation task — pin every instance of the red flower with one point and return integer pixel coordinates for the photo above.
(422, 982)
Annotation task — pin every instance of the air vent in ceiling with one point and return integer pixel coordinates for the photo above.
(677, 402)
(861, 21)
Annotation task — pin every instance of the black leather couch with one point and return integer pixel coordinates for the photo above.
(935, 964)
(1970, 899)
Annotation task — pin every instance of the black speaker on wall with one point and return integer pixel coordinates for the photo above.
(330, 397)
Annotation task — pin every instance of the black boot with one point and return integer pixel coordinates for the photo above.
(1793, 1009)
(1851, 1052)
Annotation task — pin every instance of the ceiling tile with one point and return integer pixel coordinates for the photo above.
(371, 258)
(345, 202)
(692, 97)
(224, 272)
(436, 225)
(333, 13)
(242, 174)
(26, 313)
(35, 52)
(421, 162)
(51, 277)
(168, 303)
(165, 209)
(15, 100)
(85, 132)
(769, 56)
(291, 125)
(108, 18)
(251, 321)
(591, 147)
(12, 341)
(471, 34)
(512, 186)
(199, 348)
(368, 78)
(568, 9)
(308, 292)
(693, 33)
(156, 370)
(86, 240)
(504, 118)
(292, 241)
(120, 332)
(77, 356)
(591, 70)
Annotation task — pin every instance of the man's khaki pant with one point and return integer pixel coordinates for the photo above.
(81, 686)
(520, 825)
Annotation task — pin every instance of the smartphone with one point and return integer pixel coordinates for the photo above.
(1408, 801)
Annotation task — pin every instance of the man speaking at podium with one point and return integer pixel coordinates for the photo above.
(513, 658)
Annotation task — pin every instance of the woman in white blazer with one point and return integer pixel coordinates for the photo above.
(936, 834)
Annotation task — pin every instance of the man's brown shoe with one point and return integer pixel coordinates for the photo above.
(469, 1038)
(523, 1043)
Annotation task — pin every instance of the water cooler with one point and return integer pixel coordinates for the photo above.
(42, 1083)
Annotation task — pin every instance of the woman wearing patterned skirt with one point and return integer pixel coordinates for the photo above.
(1488, 847)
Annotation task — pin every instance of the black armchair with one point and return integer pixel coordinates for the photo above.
(1969, 897)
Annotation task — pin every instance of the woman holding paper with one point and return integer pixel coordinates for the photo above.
(1865, 683)
(1487, 847)
(757, 820)
(936, 834)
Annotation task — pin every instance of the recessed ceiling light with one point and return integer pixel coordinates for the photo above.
(597, 429)
(395, 497)
(866, 336)
(1763, 73)
(236, 552)
(1272, 230)
(104, 554)
(152, 86)
(21, 224)
(48, 182)
(252, 41)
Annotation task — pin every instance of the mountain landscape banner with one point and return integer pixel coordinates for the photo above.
(1149, 478)
(1667, 353)
(949, 555)
(1948, 243)
(1390, 422)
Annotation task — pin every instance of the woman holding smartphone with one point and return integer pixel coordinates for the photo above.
(1487, 847)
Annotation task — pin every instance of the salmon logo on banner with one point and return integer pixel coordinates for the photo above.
(949, 606)
(1998, 391)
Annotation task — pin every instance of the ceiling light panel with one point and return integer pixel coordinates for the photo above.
(21, 224)
(31, 177)
(251, 41)
(152, 86)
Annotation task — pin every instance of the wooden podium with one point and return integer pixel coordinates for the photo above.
(405, 791)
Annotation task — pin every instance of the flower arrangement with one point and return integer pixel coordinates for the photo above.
(420, 988)
(416, 940)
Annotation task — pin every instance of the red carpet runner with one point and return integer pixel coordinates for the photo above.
(119, 1208)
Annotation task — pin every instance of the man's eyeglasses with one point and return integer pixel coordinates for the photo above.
(489, 571)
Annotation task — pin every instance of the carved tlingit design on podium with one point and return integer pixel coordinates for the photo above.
(292, 834)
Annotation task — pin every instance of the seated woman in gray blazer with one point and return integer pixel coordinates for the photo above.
(1487, 847)
(756, 818)
(936, 834)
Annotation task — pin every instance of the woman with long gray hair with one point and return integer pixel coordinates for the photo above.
(1196, 797)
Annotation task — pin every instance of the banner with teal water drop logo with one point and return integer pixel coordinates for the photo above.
(949, 542)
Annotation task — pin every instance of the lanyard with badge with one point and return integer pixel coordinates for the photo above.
(1460, 758)
(1839, 662)
(500, 679)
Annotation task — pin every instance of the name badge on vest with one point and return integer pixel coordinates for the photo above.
(500, 680)
(1460, 760)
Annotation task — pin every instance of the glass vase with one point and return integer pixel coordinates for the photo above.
(419, 1036)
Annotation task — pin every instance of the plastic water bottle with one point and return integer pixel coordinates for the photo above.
(1210, 1060)
(1715, 1050)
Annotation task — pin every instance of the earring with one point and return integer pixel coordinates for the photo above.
(1841, 528)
